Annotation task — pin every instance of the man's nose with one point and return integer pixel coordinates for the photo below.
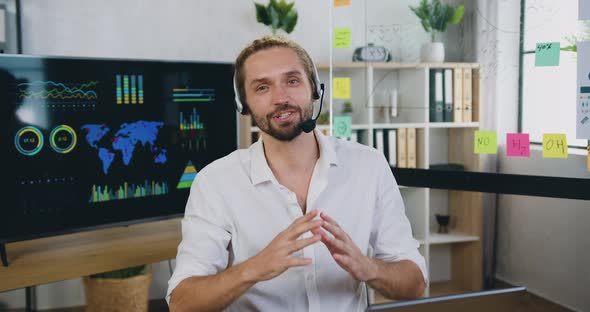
(280, 95)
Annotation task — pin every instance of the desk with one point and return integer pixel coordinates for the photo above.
(69, 256)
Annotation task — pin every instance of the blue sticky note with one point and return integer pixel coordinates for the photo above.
(547, 54)
(342, 126)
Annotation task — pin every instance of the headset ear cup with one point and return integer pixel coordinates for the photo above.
(240, 107)
(316, 82)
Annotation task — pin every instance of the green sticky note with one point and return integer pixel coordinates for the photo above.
(342, 126)
(342, 37)
(486, 142)
(547, 54)
(554, 145)
(341, 88)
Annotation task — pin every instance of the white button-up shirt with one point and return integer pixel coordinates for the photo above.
(236, 207)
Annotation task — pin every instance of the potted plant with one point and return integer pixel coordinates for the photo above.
(277, 15)
(435, 16)
(120, 290)
(324, 118)
(347, 108)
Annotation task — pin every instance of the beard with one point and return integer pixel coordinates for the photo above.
(285, 132)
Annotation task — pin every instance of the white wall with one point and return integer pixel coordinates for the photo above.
(176, 29)
(542, 242)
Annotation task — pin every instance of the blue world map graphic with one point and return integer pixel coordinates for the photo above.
(125, 141)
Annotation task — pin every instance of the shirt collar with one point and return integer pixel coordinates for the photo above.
(260, 171)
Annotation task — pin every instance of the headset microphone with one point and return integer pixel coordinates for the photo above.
(308, 125)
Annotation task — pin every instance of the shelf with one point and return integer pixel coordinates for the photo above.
(396, 65)
(453, 237)
(58, 258)
(399, 125)
(453, 125)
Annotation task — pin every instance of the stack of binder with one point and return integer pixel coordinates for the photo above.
(451, 95)
(398, 146)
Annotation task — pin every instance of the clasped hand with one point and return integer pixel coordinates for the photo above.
(277, 257)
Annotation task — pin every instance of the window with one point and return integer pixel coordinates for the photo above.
(548, 94)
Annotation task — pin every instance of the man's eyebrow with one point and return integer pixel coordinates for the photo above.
(294, 72)
(258, 80)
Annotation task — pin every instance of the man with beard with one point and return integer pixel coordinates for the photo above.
(287, 224)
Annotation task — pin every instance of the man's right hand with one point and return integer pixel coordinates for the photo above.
(276, 258)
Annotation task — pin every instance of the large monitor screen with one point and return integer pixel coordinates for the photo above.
(98, 142)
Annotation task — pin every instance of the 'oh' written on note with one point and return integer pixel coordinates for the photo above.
(554, 145)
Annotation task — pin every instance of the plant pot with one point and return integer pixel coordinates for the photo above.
(432, 52)
(443, 222)
(114, 294)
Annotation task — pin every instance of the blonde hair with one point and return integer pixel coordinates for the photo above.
(266, 43)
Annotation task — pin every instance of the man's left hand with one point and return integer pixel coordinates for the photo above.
(344, 251)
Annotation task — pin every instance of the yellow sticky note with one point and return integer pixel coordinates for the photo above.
(486, 142)
(339, 3)
(554, 145)
(341, 88)
(342, 37)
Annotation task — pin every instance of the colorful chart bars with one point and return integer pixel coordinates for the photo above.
(188, 176)
(126, 191)
(129, 89)
(187, 95)
(192, 123)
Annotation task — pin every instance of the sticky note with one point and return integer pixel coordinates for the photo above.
(341, 88)
(340, 3)
(486, 142)
(547, 54)
(342, 126)
(518, 145)
(554, 145)
(342, 37)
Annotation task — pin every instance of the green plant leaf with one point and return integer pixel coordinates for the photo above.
(262, 14)
(448, 12)
(283, 7)
(123, 273)
(422, 12)
(457, 15)
(274, 18)
(570, 48)
(290, 21)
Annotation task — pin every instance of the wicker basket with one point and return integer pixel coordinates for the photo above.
(112, 294)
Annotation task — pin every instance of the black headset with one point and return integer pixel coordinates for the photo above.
(317, 93)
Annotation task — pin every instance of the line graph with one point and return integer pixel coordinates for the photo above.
(57, 90)
(55, 95)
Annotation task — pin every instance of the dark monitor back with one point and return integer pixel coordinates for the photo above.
(509, 299)
(96, 142)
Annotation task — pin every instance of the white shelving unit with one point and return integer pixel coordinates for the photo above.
(454, 258)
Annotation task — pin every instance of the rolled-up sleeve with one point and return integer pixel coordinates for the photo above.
(206, 235)
(391, 235)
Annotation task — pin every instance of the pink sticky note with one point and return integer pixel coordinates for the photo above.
(518, 145)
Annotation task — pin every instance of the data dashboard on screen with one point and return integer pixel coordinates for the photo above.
(99, 142)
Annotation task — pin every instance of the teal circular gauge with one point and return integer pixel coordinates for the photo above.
(28, 140)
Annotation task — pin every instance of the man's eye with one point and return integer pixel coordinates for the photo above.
(294, 81)
(261, 88)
